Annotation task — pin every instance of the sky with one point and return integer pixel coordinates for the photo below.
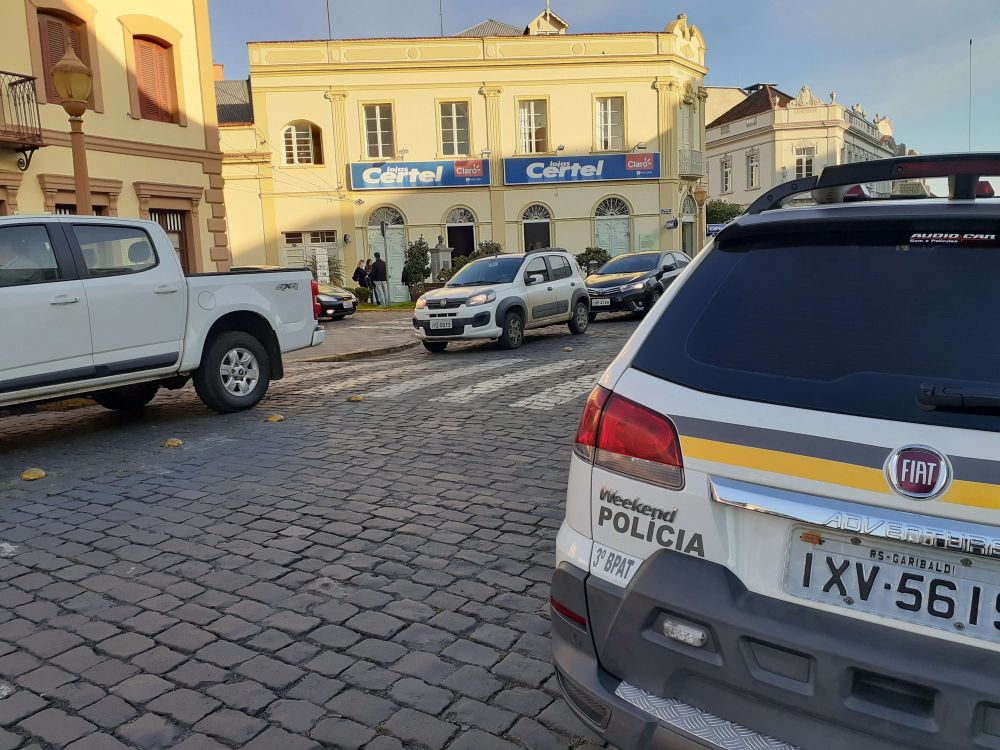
(908, 59)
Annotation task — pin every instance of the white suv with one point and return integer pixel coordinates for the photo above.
(782, 524)
(501, 297)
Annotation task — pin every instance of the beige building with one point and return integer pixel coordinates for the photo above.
(760, 136)
(152, 135)
(528, 136)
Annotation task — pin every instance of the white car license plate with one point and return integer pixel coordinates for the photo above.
(904, 582)
(437, 325)
(598, 302)
(348, 304)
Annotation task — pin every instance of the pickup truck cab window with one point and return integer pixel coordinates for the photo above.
(114, 250)
(27, 256)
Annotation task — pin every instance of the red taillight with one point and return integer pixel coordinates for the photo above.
(984, 189)
(640, 443)
(316, 305)
(569, 614)
(586, 433)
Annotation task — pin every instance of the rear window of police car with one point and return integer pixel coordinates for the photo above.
(853, 322)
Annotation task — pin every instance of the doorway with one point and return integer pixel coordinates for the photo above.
(461, 232)
(689, 211)
(537, 223)
(612, 226)
(387, 236)
(173, 224)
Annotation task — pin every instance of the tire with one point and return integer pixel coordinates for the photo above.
(129, 398)
(654, 297)
(435, 347)
(513, 331)
(592, 317)
(224, 380)
(580, 320)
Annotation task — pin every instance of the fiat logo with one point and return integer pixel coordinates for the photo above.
(918, 472)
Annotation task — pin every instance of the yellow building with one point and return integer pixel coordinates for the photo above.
(152, 133)
(527, 136)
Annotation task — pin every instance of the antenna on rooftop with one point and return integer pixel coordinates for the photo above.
(441, 15)
(329, 24)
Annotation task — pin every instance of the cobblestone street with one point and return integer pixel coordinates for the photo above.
(363, 574)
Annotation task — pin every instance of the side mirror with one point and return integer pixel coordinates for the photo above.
(670, 267)
(534, 278)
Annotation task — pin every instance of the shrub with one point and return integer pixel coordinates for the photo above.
(487, 247)
(417, 267)
(597, 256)
(361, 293)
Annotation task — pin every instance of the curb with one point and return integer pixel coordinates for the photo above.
(363, 354)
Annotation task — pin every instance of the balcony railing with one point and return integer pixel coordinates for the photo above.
(20, 125)
(692, 163)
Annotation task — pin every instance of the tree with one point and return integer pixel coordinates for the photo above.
(334, 268)
(596, 256)
(486, 248)
(718, 211)
(417, 267)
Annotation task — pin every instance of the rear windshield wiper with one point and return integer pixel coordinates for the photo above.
(959, 398)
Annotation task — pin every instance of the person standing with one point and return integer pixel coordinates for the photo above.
(380, 277)
(372, 295)
(360, 276)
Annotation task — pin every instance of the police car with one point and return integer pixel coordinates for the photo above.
(782, 526)
(502, 296)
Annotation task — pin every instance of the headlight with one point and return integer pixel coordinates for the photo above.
(481, 298)
(325, 298)
(421, 303)
(634, 287)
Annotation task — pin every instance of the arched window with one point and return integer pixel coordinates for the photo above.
(689, 207)
(57, 33)
(154, 72)
(612, 207)
(387, 214)
(536, 212)
(461, 215)
(303, 144)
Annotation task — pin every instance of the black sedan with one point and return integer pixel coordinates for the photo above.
(335, 302)
(634, 281)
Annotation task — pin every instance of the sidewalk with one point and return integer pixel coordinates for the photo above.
(364, 334)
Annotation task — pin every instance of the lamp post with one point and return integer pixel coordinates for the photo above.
(73, 82)
(700, 194)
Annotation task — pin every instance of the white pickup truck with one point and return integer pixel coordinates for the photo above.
(101, 307)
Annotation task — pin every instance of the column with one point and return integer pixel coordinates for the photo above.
(340, 160)
(494, 142)
(668, 91)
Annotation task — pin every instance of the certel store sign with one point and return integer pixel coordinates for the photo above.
(406, 175)
(539, 171)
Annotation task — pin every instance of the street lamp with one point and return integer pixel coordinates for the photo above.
(73, 82)
(700, 194)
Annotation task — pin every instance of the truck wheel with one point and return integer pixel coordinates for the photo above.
(435, 347)
(580, 320)
(234, 374)
(129, 398)
(513, 331)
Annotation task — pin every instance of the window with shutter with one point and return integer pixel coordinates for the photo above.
(154, 76)
(55, 34)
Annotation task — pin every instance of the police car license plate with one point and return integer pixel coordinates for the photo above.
(598, 302)
(437, 325)
(903, 582)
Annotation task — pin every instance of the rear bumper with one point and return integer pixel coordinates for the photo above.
(770, 668)
(319, 336)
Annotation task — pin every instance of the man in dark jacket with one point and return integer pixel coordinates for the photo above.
(380, 280)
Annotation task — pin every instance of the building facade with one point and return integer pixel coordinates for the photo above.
(152, 133)
(764, 137)
(529, 137)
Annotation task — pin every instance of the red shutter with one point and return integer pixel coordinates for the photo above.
(154, 75)
(52, 34)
